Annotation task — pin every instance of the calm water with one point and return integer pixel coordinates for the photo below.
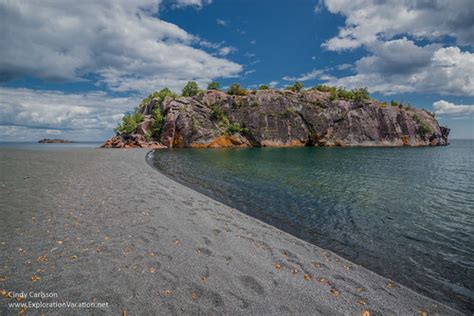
(406, 213)
(38, 146)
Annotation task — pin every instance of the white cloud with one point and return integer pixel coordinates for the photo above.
(400, 66)
(54, 131)
(251, 71)
(319, 6)
(445, 107)
(344, 66)
(314, 74)
(207, 44)
(218, 47)
(226, 50)
(193, 3)
(121, 42)
(370, 20)
(221, 22)
(253, 42)
(90, 115)
(273, 84)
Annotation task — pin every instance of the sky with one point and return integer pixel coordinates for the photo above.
(71, 69)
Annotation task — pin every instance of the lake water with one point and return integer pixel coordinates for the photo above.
(46, 146)
(405, 213)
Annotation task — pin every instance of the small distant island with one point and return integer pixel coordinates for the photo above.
(289, 117)
(55, 141)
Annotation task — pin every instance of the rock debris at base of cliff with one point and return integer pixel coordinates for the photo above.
(278, 118)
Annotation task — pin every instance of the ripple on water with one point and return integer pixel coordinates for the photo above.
(406, 213)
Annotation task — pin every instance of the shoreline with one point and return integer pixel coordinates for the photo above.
(115, 229)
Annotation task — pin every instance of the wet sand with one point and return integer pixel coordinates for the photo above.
(95, 225)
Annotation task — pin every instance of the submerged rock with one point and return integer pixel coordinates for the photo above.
(277, 118)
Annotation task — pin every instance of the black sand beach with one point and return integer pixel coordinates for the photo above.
(102, 226)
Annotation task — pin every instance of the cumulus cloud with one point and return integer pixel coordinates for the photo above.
(226, 50)
(401, 66)
(314, 74)
(194, 3)
(123, 43)
(445, 107)
(370, 20)
(53, 112)
(343, 66)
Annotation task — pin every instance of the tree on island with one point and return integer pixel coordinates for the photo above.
(235, 89)
(296, 87)
(214, 86)
(190, 89)
(129, 123)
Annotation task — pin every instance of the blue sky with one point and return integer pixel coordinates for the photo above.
(75, 75)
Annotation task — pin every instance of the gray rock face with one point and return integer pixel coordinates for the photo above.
(145, 126)
(286, 118)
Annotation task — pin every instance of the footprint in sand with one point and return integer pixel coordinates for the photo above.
(252, 284)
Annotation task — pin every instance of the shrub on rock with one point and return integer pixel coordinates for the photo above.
(190, 89)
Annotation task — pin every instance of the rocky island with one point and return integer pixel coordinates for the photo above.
(320, 116)
(55, 141)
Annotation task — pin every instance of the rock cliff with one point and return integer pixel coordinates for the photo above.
(279, 118)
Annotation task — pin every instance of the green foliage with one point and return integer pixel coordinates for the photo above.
(158, 95)
(401, 105)
(263, 87)
(394, 103)
(357, 95)
(158, 121)
(296, 87)
(422, 128)
(217, 113)
(147, 136)
(129, 123)
(333, 94)
(360, 94)
(235, 89)
(190, 89)
(224, 121)
(323, 88)
(383, 104)
(214, 86)
(235, 128)
(345, 94)
(416, 118)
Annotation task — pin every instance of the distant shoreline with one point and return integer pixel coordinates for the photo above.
(55, 141)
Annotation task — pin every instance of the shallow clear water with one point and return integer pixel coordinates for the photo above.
(406, 213)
